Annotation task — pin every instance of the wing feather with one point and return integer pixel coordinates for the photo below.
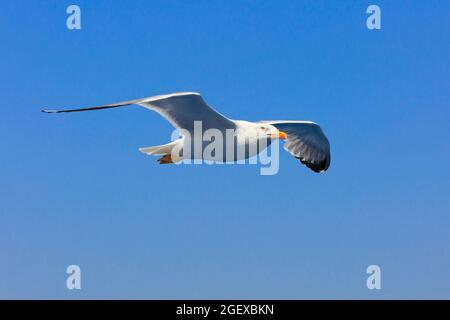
(180, 109)
(306, 142)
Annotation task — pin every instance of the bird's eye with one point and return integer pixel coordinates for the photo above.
(264, 128)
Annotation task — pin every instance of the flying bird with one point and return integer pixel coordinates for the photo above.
(305, 140)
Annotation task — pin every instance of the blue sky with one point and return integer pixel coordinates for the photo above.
(75, 190)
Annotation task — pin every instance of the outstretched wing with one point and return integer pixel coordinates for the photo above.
(307, 142)
(180, 109)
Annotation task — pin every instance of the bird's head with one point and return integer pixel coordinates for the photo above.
(268, 130)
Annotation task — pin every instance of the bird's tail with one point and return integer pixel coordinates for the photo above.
(164, 150)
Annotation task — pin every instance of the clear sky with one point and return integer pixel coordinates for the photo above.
(74, 189)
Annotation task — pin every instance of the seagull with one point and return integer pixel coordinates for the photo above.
(304, 140)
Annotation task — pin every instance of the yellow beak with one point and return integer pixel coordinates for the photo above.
(280, 135)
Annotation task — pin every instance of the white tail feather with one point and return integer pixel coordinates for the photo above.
(160, 150)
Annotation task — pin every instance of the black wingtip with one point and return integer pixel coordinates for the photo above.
(49, 111)
(318, 167)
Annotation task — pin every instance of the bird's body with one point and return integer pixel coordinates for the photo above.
(239, 143)
(208, 135)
